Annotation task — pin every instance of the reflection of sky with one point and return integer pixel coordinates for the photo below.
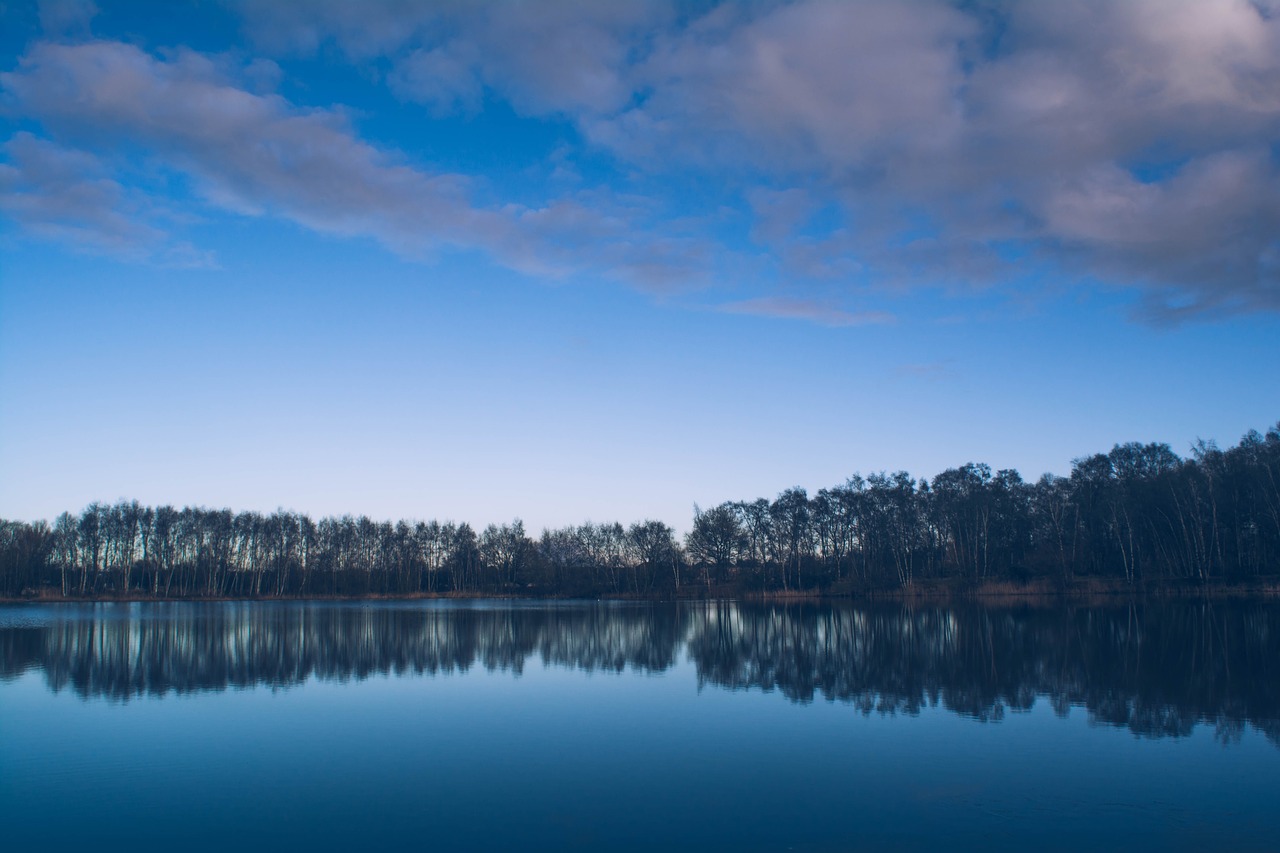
(517, 371)
(557, 757)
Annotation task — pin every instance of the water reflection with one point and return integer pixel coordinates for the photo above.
(1158, 670)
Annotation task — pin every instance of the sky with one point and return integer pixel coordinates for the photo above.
(580, 260)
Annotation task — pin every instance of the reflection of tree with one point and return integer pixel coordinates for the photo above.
(1158, 670)
(180, 647)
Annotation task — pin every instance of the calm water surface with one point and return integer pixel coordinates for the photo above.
(633, 726)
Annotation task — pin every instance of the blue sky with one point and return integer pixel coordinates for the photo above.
(577, 260)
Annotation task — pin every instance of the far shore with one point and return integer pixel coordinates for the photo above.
(1089, 591)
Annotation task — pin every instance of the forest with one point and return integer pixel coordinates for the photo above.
(1137, 515)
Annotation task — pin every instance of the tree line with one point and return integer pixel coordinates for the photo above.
(1139, 513)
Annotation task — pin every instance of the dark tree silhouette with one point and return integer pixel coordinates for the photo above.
(1137, 515)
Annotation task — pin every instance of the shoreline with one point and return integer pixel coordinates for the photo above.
(949, 591)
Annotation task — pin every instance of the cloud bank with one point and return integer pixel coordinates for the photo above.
(874, 145)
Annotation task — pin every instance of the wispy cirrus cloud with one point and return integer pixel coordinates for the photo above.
(260, 155)
(248, 152)
(813, 311)
(570, 56)
(66, 17)
(68, 196)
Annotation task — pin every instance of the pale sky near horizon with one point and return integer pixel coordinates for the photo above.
(582, 260)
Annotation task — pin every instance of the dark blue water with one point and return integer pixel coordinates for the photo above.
(639, 727)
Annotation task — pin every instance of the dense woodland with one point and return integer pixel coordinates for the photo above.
(1139, 514)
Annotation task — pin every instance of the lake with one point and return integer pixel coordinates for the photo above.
(637, 726)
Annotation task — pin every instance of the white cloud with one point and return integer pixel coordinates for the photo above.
(66, 195)
(1128, 143)
(924, 143)
(543, 55)
(248, 152)
(441, 78)
(258, 154)
(824, 86)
